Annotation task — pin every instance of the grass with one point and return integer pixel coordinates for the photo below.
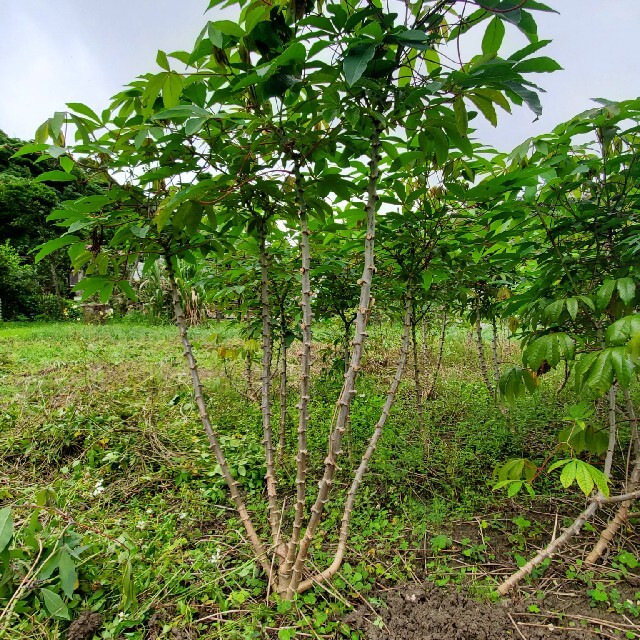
(100, 438)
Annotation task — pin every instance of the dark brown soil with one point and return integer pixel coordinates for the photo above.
(84, 626)
(427, 612)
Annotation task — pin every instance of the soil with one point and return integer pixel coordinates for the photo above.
(84, 626)
(428, 612)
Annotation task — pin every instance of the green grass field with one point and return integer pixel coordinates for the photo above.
(103, 456)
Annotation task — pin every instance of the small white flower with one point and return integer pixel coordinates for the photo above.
(215, 558)
(141, 525)
(183, 515)
(149, 511)
(98, 489)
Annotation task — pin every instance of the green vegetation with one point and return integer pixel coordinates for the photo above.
(120, 484)
(27, 198)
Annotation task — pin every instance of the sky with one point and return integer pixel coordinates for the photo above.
(53, 52)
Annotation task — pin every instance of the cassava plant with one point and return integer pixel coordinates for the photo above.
(296, 116)
(576, 207)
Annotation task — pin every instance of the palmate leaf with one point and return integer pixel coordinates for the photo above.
(600, 369)
(516, 382)
(551, 348)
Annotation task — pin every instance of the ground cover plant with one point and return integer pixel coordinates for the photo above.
(311, 180)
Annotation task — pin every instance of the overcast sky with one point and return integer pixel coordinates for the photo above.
(53, 52)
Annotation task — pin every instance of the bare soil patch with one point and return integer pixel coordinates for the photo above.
(428, 612)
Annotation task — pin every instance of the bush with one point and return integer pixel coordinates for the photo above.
(20, 291)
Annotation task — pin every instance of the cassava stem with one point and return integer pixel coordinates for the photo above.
(348, 389)
(364, 463)
(622, 513)
(416, 365)
(481, 358)
(234, 490)
(265, 400)
(302, 457)
(494, 351)
(443, 335)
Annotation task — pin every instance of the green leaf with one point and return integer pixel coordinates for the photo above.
(6, 527)
(55, 176)
(54, 245)
(54, 604)
(128, 586)
(67, 572)
(514, 488)
(89, 286)
(600, 376)
(193, 125)
(486, 107)
(543, 64)
(596, 442)
(583, 477)
(572, 307)
(535, 352)
(229, 28)
(603, 296)
(493, 36)
(600, 480)
(568, 474)
(623, 365)
(293, 53)
(42, 132)
(30, 148)
(462, 118)
(356, 62)
(84, 110)
(412, 38)
(215, 36)
(163, 213)
(162, 61)
(188, 217)
(171, 90)
(557, 464)
(552, 311)
(127, 289)
(528, 50)
(49, 566)
(633, 348)
(67, 164)
(626, 289)
(105, 292)
(182, 111)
